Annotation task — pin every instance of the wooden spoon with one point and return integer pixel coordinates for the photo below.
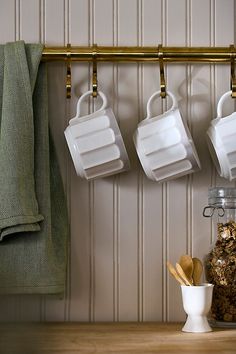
(174, 273)
(197, 271)
(186, 263)
(182, 274)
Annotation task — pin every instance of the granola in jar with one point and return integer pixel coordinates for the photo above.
(221, 271)
(220, 263)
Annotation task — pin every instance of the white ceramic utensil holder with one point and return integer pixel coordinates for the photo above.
(197, 304)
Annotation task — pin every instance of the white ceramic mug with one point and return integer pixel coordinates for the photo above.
(95, 142)
(221, 139)
(164, 144)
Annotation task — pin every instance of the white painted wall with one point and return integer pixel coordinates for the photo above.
(124, 228)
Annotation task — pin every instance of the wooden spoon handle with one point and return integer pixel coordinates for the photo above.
(182, 274)
(174, 273)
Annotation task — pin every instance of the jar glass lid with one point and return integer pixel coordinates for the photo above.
(222, 196)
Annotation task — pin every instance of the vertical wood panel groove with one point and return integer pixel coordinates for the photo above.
(17, 14)
(116, 36)
(64, 152)
(186, 21)
(69, 21)
(189, 179)
(189, 233)
(92, 262)
(19, 23)
(140, 175)
(212, 92)
(15, 19)
(91, 193)
(40, 20)
(165, 22)
(68, 177)
(43, 29)
(67, 303)
(213, 74)
(213, 22)
(115, 251)
(89, 22)
(93, 34)
(116, 179)
(165, 293)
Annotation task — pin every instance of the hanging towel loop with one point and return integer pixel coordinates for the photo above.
(68, 71)
(162, 73)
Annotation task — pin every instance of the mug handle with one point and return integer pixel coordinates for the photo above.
(88, 93)
(220, 103)
(157, 93)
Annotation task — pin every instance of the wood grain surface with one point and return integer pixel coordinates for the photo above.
(125, 338)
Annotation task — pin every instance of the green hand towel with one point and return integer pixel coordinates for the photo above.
(33, 217)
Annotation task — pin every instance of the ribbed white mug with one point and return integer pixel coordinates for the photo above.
(221, 139)
(164, 144)
(95, 142)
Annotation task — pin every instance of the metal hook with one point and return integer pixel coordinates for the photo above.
(95, 82)
(233, 79)
(68, 72)
(209, 210)
(162, 73)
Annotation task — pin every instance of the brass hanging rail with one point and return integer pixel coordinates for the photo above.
(141, 54)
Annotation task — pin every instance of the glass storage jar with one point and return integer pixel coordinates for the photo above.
(220, 263)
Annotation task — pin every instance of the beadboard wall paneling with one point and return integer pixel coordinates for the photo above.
(29, 17)
(176, 190)
(8, 21)
(151, 233)
(124, 228)
(81, 256)
(103, 190)
(54, 30)
(200, 110)
(128, 191)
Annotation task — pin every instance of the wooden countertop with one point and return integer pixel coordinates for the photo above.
(116, 338)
